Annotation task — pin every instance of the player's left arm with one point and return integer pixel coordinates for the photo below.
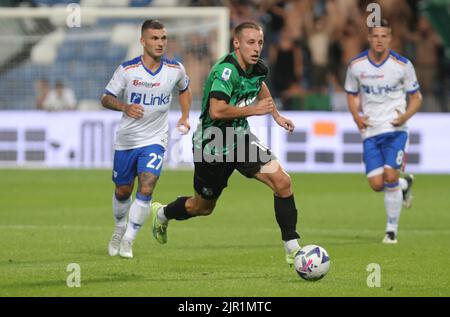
(282, 121)
(415, 97)
(185, 100)
(414, 104)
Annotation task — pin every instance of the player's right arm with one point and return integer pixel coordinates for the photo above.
(219, 109)
(225, 79)
(134, 111)
(115, 87)
(354, 99)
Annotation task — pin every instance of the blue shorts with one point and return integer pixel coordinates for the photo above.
(130, 163)
(387, 149)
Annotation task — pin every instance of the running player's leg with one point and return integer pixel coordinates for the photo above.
(406, 181)
(209, 181)
(123, 177)
(149, 165)
(374, 162)
(380, 179)
(261, 164)
(393, 151)
(285, 210)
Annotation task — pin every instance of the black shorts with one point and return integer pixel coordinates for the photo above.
(211, 176)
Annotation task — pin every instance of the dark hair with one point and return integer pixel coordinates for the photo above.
(246, 25)
(383, 24)
(151, 24)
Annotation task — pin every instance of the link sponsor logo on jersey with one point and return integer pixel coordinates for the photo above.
(149, 100)
(379, 90)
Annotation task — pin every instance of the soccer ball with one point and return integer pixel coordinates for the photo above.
(312, 262)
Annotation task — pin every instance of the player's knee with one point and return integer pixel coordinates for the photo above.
(377, 187)
(390, 178)
(283, 185)
(123, 193)
(146, 190)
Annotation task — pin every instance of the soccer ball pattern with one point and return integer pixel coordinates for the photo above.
(312, 262)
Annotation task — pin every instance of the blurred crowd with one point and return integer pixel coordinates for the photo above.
(309, 43)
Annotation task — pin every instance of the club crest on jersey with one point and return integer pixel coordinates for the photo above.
(226, 74)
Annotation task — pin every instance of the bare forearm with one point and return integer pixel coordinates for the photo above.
(265, 93)
(228, 112)
(414, 104)
(185, 100)
(353, 105)
(111, 102)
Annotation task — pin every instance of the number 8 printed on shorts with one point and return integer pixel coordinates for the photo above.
(153, 160)
(399, 159)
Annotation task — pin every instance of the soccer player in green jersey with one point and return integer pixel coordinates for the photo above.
(223, 141)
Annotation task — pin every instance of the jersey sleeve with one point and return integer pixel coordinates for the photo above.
(117, 83)
(183, 80)
(222, 85)
(411, 83)
(351, 82)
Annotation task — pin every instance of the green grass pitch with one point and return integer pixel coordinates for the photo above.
(50, 218)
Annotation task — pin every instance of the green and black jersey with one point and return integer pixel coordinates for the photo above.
(229, 82)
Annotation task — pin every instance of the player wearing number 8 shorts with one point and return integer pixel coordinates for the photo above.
(377, 83)
(142, 89)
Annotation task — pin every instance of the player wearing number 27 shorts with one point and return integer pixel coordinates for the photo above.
(142, 89)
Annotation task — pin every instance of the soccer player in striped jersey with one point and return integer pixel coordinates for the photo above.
(142, 89)
(382, 85)
(233, 85)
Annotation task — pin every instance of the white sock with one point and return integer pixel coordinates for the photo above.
(139, 212)
(403, 184)
(162, 216)
(393, 198)
(291, 245)
(120, 210)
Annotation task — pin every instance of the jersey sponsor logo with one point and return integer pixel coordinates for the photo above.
(136, 98)
(149, 100)
(140, 83)
(226, 74)
(245, 102)
(371, 76)
(378, 90)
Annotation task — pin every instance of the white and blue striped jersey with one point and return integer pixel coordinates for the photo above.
(382, 88)
(133, 83)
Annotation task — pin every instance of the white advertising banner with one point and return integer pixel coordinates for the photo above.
(322, 141)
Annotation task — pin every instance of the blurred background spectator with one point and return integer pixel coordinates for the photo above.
(308, 45)
(60, 98)
(42, 88)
